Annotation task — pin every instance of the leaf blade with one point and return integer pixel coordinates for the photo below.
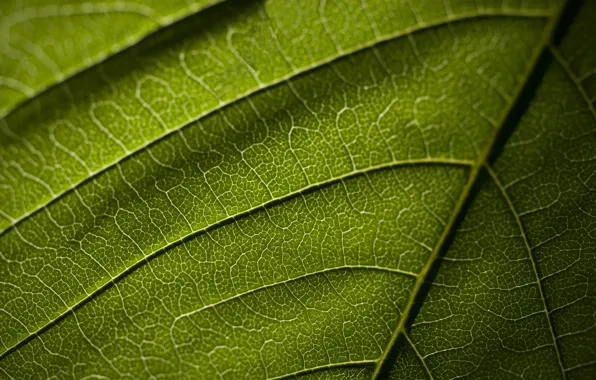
(49, 189)
(268, 318)
(37, 53)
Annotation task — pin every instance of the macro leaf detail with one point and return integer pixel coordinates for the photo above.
(280, 189)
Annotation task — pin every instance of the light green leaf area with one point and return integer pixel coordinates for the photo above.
(45, 42)
(299, 189)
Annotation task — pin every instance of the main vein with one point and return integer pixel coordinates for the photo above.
(466, 193)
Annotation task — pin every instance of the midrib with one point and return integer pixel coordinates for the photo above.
(459, 209)
(476, 167)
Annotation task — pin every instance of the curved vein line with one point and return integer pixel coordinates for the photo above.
(467, 190)
(430, 375)
(181, 240)
(580, 366)
(578, 84)
(524, 236)
(306, 371)
(162, 23)
(294, 279)
(45, 11)
(16, 85)
(486, 13)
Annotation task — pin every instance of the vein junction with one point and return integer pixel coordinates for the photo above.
(275, 236)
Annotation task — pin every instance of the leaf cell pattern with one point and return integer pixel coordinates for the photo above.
(282, 189)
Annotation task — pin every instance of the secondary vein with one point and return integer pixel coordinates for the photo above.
(322, 368)
(485, 13)
(576, 81)
(524, 236)
(161, 23)
(145, 259)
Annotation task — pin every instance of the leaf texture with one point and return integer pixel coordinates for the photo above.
(278, 189)
(33, 59)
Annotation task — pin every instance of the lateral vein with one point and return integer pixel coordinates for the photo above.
(132, 267)
(576, 81)
(524, 236)
(420, 357)
(161, 23)
(485, 13)
(322, 368)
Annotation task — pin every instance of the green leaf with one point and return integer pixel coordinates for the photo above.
(31, 59)
(278, 189)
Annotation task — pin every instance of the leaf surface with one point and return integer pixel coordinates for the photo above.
(308, 189)
(81, 34)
